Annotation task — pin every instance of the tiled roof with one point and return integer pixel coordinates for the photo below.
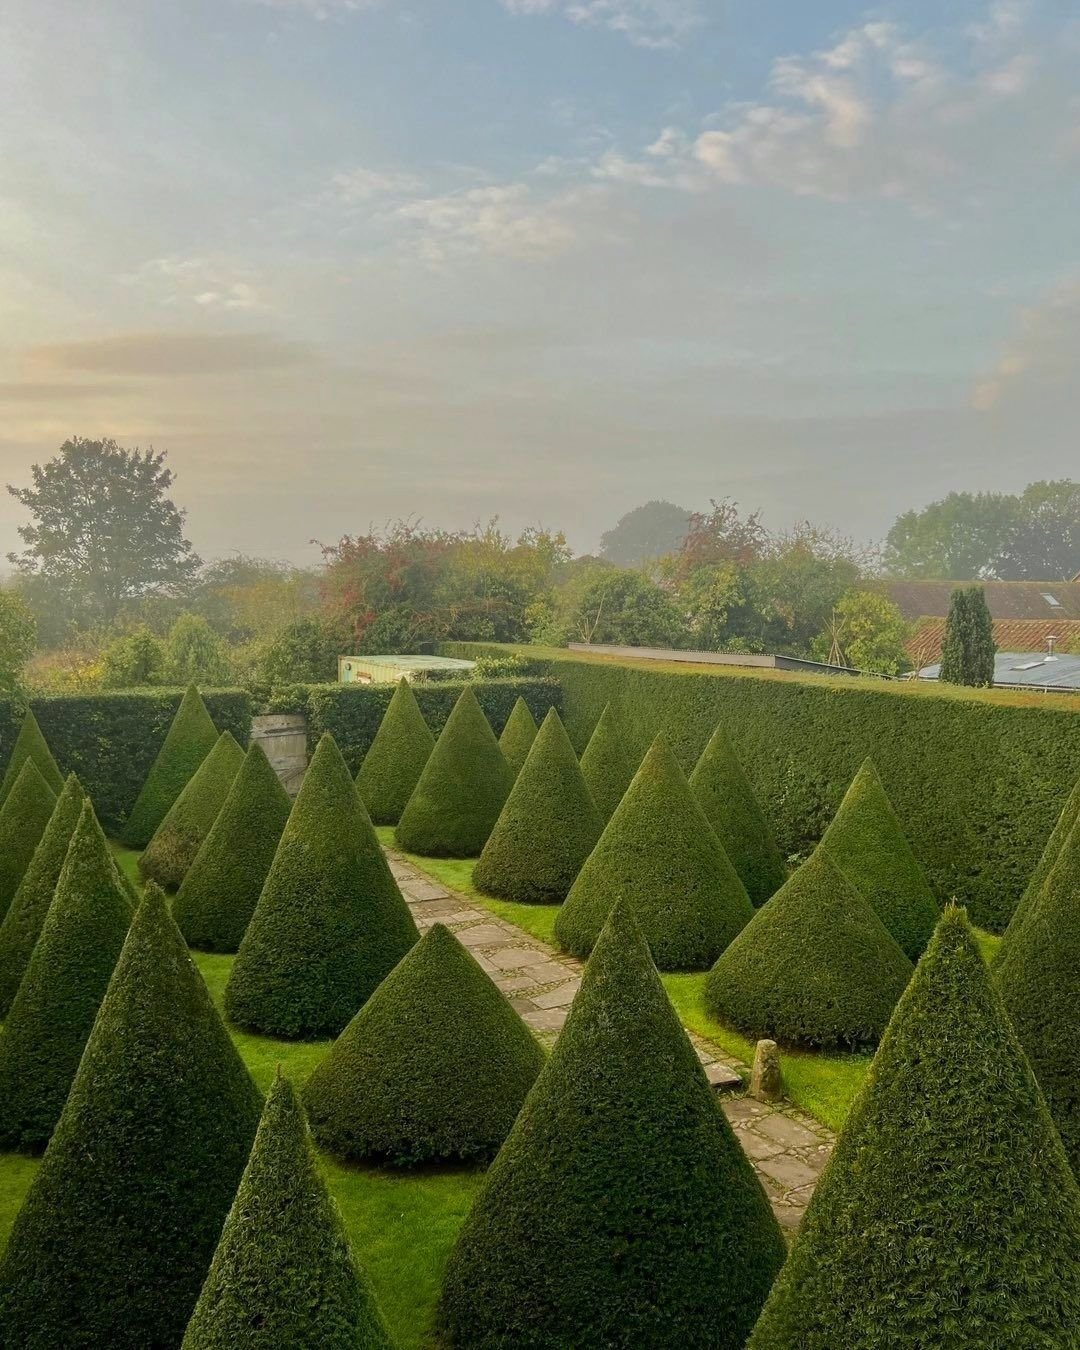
(1010, 635)
(1006, 599)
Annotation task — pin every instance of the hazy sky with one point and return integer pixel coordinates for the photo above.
(353, 259)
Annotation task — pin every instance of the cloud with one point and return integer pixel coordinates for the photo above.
(320, 9)
(1040, 363)
(169, 354)
(645, 23)
(198, 282)
(362, 185)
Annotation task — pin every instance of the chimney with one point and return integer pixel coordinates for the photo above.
(1051, 639)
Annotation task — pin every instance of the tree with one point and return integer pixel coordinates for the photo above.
(517, 735)
(396, 757)
(190, 738)
(605, 764)
(621, 1211)
(626, 608)
(104, 529)
(719, 536)
(24, 817)
(18, 638)
(194, 654)
(646, 533)
(793, 588)
(137, 658)
(305, 651)
(1044, 544)
(968, 650)
(959, 538)
(866, 631)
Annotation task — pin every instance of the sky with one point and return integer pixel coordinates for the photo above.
(353, 260)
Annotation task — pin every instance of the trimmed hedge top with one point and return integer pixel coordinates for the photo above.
(1070, 814)
(396, 758)
(621, 1211)
(518, 735)
(947, 1214)
(330, 923)
(30, 744)
(547, 828)
(24, 818)
(867, 843)
(661, 855)
(191, 737)
(283, 1275)
(462, 789)
(116, 1234)
(435, 1066)
(814, 966)
(606, 765)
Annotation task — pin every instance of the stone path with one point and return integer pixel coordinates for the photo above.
(787, 1147)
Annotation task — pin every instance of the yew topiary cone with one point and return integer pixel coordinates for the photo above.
(191, 817)
(518, 735)
(24, 818)
(1063, 827)
(190, 738)
(605, 765)
(30, 744)
(395, 758)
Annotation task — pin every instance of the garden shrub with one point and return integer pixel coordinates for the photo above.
(283, 1274)
(190, 739)
(1039, 978)
(396, 758)
(217, 897)
(547, 828)
(947, 1214)
(606, 766)
(1070, 814)
(191, 817)
(660, 854)
(24, 818)
(330, 923)
(30, 744)
(21, 925)
(621, 1211)
(434, 1066)
(462, 789)
(867, 843)
(814, 966)
(117, 1231)
(518, 735)
(65, 980)
(726, 797)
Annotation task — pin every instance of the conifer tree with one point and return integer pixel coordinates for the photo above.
(117, 1231)
(65, 980)
(1070, 814)
(395, 758)
(463, 787)
(518, 735)
(190, 738)
(283, 1275)
(30, 744)
(605, 765)
(726, 797)
(191, 817)
(24, 818)
(947, 1214)
(434, 1066)
(330, 923)
(21, 925)
(968, 650)
(661, 854)
(621, 1211)
(547, 828)
(218, 895)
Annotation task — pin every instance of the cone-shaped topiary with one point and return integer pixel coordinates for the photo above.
(283, 1274)
(191, 817)
(606, 766)
(463, 787)
(330, 923)
(726, 797)
(1070, 814)
(66, 978)
(518, 735)
(814, 966)
(660, 853)
(118, 1229)
(1039, 979)
(395, 758)
(621, 1211)
(867, 843)
(947, 1215)
(547, 828)
(434, 1066)
(191, 737)
(22, 923)
(30, 744)
(217, 897)
(24, 817)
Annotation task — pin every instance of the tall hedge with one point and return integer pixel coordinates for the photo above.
(547, 828)
(191, 817)
(662, 856)
(726, 797)
(947, 1214)
(395, 759)
(621, 1210)
(814, 966)
(24, 818)
(867, 843)
(330, 923)
(1070, 814)
(21, 925)
(1039, 978)
(605, 764)
(117, 1231)
(191, 737)
(463, 787)
(217, 897)
(30, 744)
(518, 735)
(68, 972)
(283, 1275)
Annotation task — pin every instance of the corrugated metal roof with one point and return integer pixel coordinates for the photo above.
(1027, 670)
